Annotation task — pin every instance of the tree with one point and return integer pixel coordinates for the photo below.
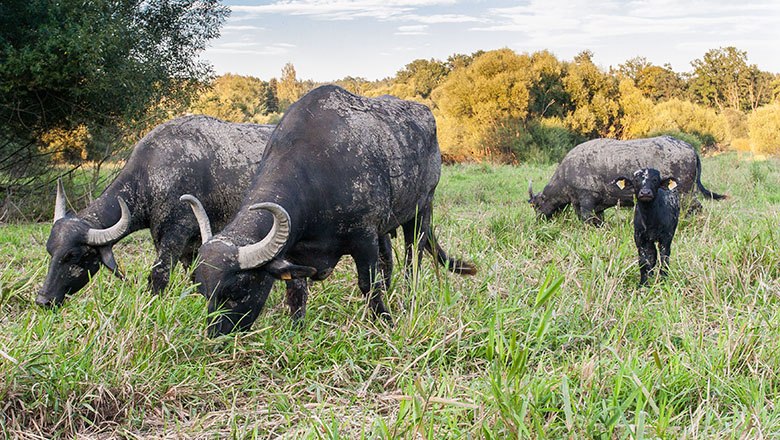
(421, 77)
(235, 98)
(594, 95)
(288, 89)
(477, 101)
(548, 93)
(724, 79)
(65, 65)
(655, 82)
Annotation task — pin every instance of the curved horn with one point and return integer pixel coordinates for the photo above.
(60, 204)
(102, 237)
(254, 255)
(200, 215)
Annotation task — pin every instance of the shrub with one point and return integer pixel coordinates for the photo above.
(764, 128)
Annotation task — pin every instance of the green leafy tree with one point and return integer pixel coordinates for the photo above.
(724, 79)
(271, 100)
(421, 77)
(70, 65)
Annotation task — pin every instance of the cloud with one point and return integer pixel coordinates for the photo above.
(421, 29)
(580, 23)
(242, 28)
(355, 9)
(251, 48)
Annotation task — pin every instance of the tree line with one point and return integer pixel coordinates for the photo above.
(505, 106)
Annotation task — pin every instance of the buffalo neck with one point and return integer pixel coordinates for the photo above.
(250, 227)
(105, 211)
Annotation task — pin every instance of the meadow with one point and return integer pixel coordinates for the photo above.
(551, 339)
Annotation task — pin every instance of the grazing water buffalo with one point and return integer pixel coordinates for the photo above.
(582, 177)
(210, 158)
(340, 174)
(656, 213)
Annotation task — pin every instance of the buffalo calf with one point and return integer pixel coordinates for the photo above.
(656, 213)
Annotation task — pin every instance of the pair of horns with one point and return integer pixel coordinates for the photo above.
(95, 237)
(256, 254)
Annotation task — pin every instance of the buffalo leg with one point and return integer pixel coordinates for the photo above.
(371, 283)
(296, 295)
(647, 260)
(170, 244)
(386, 259)
(586, 210)
(665, 249)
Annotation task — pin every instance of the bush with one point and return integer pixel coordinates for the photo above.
(764, 128)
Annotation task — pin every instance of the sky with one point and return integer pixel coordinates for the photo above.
(328, 40)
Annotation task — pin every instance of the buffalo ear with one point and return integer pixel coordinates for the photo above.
(108, 260)
(669, 183)
(621, 182)
(284, 270)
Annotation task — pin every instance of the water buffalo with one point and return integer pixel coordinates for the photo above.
(583, 176)
(205, 156)
(340, 174)
(656, 214)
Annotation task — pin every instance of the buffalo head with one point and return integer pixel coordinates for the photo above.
(77, 251)
(540, 203)
(645, 183)
(235, 279)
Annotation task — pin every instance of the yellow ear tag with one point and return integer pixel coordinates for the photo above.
(672, 184)
(621, 183)
(286, 276)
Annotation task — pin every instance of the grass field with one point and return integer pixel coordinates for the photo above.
(552, 339)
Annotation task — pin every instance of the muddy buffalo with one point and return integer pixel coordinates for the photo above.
(583, 176)
(212, 159)
(341, 172)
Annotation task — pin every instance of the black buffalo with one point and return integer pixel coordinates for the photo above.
(656, 214)
(210, 158)
(340, 174)
(582, 177)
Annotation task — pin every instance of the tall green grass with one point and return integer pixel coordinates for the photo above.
(551, 339)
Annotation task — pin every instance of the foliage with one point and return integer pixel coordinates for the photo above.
(288, 88)
(237, 98)
(490, 93)
(764, 127)
(655, 82)
(552, 339)
(594, 95)
(69, 66)
(724, 78)
(688, 117)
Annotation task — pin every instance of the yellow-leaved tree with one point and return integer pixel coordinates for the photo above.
(475, 103)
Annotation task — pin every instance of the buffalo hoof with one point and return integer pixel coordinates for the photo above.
(46, 302)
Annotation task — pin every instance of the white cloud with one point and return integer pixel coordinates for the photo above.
(355, 9)
(421, 29)
(251, 48)
(242, 28)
